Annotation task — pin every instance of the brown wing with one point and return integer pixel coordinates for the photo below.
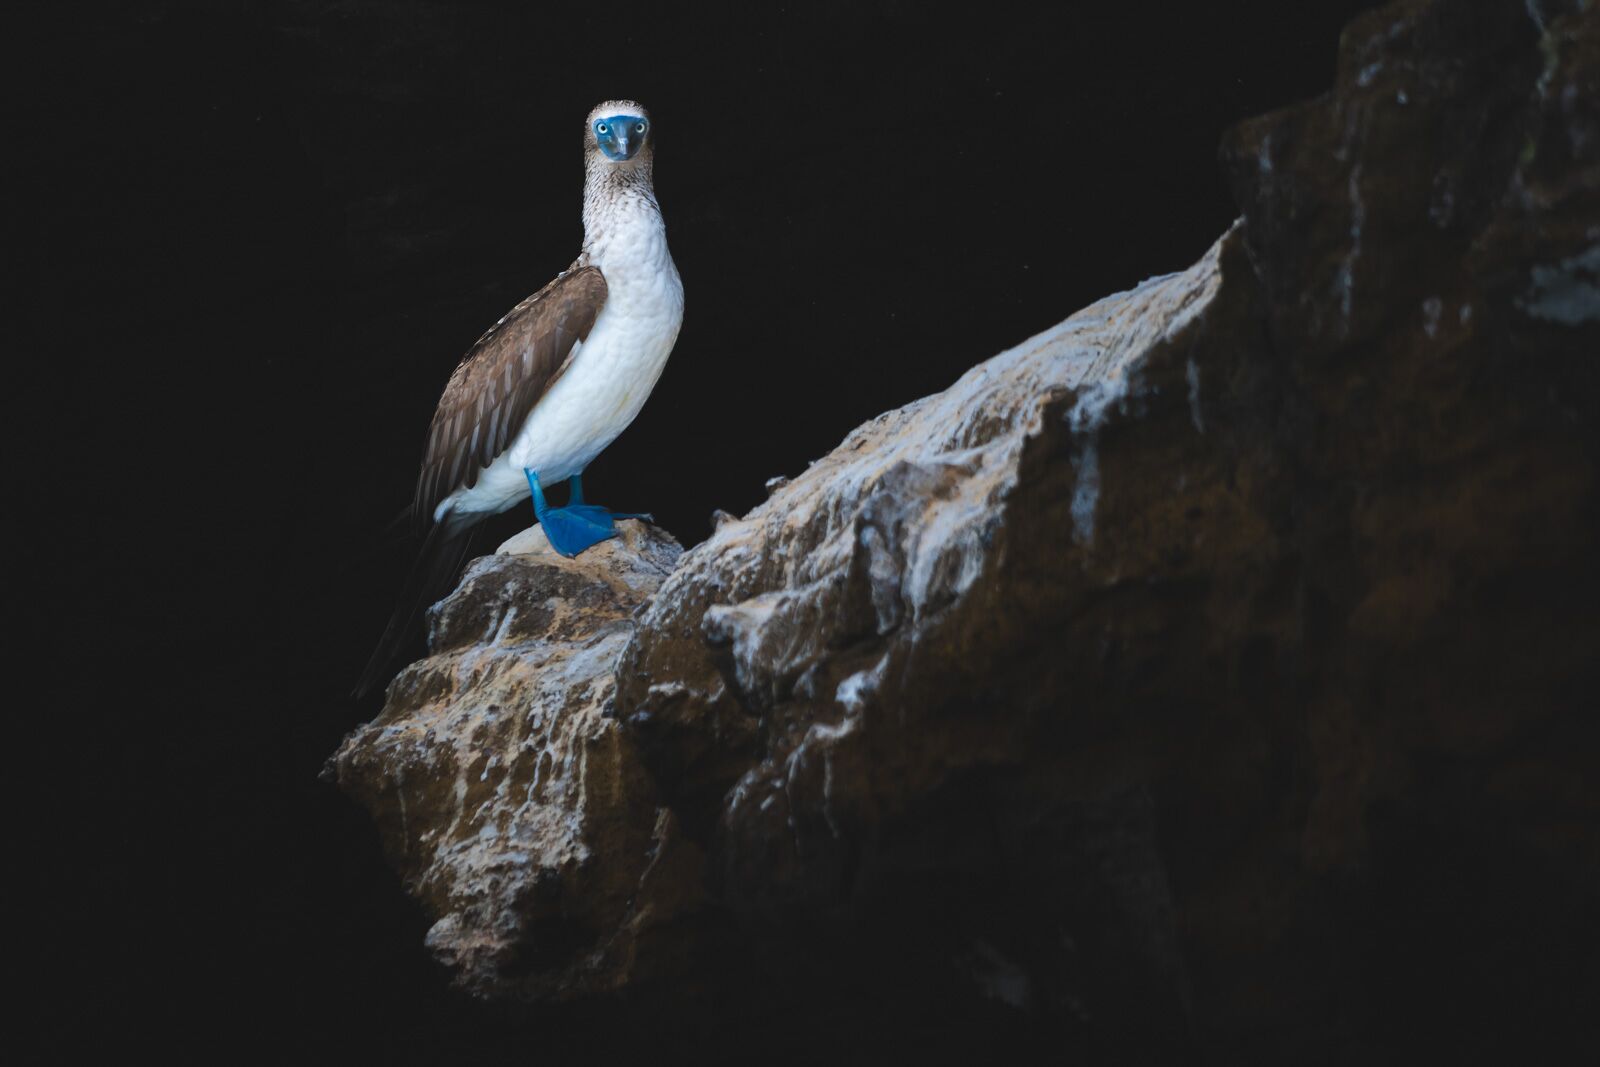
(499, 381)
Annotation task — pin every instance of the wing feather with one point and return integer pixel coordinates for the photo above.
(499, 381)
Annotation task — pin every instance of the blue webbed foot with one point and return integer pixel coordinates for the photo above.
(577, 526)
(570, 530)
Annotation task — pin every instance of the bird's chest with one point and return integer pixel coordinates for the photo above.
(627, 348)
(613, 370)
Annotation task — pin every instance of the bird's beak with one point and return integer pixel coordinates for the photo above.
(624, 149)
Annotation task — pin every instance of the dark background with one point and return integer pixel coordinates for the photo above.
(250, 240)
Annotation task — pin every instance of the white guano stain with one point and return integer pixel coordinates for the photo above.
(1347, 268)
(853, 691)
(1191, 373)
(1086, 417)
(1566, 292)
(1432, 308)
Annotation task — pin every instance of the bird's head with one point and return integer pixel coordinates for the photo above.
(619, 131)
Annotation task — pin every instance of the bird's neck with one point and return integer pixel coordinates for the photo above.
(623, 232)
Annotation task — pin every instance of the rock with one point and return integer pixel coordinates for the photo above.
(894, 626)
(888, 700)
(1214, 670)
(513, 806)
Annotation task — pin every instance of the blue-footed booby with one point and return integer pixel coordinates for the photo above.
(550, 385)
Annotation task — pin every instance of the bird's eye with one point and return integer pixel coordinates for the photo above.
(601, 127)
(639, 128)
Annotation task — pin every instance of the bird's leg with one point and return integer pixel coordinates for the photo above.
(573, 528)
(539, 505)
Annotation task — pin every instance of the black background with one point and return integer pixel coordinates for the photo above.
(250, 241)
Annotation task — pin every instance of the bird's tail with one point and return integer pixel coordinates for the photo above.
(447, 545)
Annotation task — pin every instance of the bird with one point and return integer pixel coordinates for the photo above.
(548, 387)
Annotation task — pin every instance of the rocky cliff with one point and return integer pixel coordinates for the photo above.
(1214, 670)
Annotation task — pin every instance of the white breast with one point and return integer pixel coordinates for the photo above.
(611, 373)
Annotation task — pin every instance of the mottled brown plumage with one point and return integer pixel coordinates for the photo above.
(500, 380)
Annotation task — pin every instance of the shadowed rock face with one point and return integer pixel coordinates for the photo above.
(872, 696)
(1215, 668)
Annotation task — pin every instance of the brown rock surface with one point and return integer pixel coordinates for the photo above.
(515, 808)
(1216, 668)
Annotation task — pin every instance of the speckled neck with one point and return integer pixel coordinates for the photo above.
(623, 230)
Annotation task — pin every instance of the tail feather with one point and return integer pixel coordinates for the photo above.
(401, 523)
(446, 547)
